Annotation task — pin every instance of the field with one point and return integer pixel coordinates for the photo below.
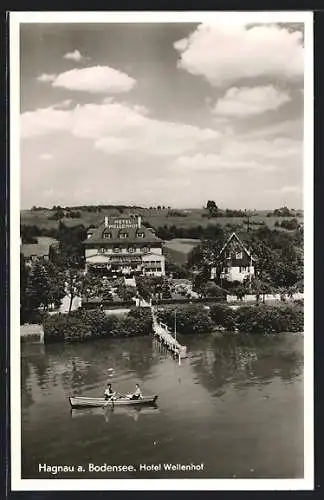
(154, 218)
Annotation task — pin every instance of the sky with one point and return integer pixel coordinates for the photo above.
(171, 114)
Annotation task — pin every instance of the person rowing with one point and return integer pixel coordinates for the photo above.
(109, 394)
(138, 393)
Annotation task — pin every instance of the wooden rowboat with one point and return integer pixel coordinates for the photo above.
(83, 402)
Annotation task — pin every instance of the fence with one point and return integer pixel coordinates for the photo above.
(266, 297)
(188, 301)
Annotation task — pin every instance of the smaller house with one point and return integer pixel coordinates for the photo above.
(38, 251)
(236, 261)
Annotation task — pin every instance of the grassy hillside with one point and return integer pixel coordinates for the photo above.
(155, 218)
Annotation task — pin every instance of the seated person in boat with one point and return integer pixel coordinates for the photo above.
(138, 393)
(109, 393)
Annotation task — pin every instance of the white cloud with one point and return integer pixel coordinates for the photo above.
(118, 128)
(291, 189)
(63, 104)
(96, 79)
(286, 128)
(245, 101)
(239, 154)
(215, 163)
(46, 157)
(225, 53)
(74, 56)
(45, 77)
(277, 148)
(44, 121)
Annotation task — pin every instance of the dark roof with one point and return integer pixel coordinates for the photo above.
(234, 236)
(40, 249)
(97, 235)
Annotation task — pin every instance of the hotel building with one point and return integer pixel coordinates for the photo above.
(122, 246)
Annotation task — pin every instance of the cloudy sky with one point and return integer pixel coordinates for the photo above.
(171, 114)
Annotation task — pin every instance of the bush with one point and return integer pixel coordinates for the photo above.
(223, 315)
(290, 224)
(34, 316)
(190, 319)
(82, 325)
(270, 319)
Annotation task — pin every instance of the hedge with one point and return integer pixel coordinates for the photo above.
(254, 319)
(189, 319)
(270, 319)
(224, 316)
(260, 318)
(82, 325)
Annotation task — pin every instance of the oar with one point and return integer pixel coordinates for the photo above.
(112, 401)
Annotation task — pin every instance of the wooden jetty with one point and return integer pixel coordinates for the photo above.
(165, 337)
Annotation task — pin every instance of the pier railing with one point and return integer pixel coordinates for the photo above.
(164, 336)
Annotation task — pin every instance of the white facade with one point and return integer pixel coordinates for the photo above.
(237, 273)
(153, 264)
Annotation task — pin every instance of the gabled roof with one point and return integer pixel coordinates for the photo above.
(97, 235)
(240, 242)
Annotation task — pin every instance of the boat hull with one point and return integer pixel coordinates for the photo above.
(83, 402)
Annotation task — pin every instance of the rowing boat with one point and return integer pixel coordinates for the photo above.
(83, 402)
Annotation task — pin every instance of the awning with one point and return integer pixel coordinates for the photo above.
(124, 260)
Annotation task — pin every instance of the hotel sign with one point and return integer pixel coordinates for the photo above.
(121, 223)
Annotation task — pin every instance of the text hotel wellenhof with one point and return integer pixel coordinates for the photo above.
(167, 467)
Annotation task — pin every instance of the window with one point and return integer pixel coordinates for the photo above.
(239, 255)
(140, 234)
(107, 234)
(102, 250)
(123, 235)
(116, 249)
(145, 249)
(243, 269)
(131, 249)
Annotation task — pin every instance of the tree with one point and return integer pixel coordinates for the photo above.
(259, 285)
(212, 208)
(73, 284)
(241, 290)
(24, 276)
(44, 286)
(200, 282)
(126, 293)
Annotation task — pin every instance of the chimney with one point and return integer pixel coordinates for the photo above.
(106, 221)
(139, 221)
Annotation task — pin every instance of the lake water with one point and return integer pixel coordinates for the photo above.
(234, 405)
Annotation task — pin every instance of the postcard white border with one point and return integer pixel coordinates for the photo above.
(19, 484)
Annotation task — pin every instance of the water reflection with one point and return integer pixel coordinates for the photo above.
(242, 360)
(108, 413)
(62, 364)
